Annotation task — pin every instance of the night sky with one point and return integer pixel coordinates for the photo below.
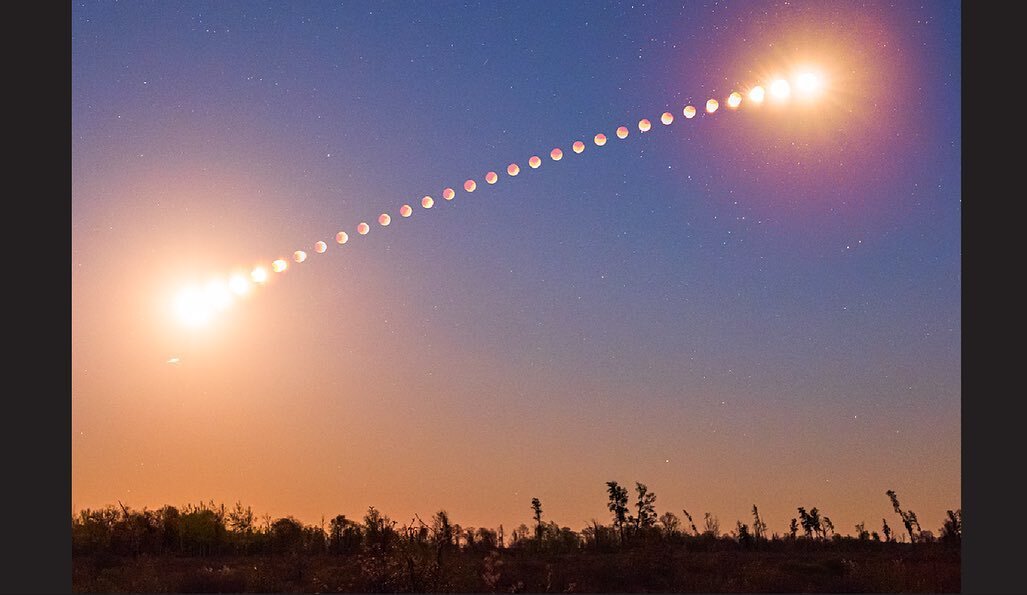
(758, 306)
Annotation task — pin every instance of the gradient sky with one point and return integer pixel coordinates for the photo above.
(755, 307)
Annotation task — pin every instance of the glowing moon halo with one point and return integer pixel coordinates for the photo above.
(259, 275)
(780, 89)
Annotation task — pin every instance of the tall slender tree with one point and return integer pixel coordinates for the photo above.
(646, 506)
(618, 505)
(536, 506)
(908, 517)
(759, 528)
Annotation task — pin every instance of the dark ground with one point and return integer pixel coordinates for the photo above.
(899, 568)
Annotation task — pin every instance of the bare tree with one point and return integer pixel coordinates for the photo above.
(712, 525)
(759, 528)
(670, 522)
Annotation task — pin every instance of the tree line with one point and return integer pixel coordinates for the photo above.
(209, 529)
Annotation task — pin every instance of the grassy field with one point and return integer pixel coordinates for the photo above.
(843, 568)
